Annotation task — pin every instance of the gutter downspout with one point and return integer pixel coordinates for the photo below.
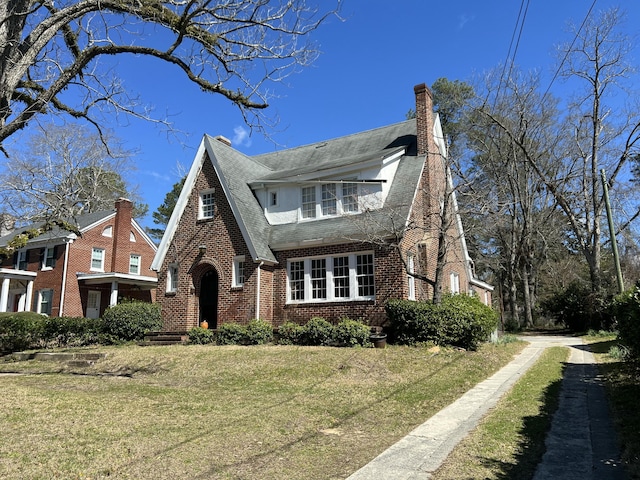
(63, 288)
(258, 291)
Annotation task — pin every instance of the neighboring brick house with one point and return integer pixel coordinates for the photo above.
(330, 229)
(62, 274)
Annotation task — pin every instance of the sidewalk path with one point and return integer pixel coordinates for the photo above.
(422, 451)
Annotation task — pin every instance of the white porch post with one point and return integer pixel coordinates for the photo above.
(29, 299)
(113, 300)
(4, 295)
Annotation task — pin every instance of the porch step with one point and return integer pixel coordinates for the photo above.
(164, 338)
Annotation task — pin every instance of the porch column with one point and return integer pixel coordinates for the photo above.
(4, 295)
(113, 300)
(29, 299)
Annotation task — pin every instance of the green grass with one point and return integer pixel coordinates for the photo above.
(623, 390)
(226, 412)
(509, 442)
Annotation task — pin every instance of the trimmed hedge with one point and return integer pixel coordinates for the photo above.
(626, 308)
(351, 333)
(130, 321)
(460, 320)
(289, 333)
(200, 336)
(231, 334)
(317, 331)
(19, 331)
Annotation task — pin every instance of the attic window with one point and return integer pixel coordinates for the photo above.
(335, 199)
(273, 198)
(132, 236)
(107, 231)
(207, 204)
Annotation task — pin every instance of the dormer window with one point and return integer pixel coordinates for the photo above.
(335, 199)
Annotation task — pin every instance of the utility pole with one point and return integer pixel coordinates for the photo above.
(612, 232)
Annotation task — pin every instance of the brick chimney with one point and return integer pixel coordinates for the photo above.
(424, 118)
(121, 236)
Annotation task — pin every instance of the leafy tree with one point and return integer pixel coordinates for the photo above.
(53, 55)
(162, 215)
(63, 172)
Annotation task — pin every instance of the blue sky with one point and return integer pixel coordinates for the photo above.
(363, 79)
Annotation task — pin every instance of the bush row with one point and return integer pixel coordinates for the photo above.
(460, 320)
(123, 322)
(316, 331)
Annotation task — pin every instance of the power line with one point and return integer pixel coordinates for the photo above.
(566, 54)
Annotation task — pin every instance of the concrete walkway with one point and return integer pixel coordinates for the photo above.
(568, 451)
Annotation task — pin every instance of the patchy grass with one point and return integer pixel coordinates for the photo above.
(509, 442)
(623, 391)
(226, 412)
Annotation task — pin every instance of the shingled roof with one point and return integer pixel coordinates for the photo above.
(239, 173)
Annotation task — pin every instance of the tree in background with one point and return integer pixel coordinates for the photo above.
(162, 215)
(53, 55)
(63, 172)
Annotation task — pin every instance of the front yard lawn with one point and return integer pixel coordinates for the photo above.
(212, 412)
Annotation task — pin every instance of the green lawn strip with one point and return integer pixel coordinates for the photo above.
(622, 381)
(226, 412)
(509, 442)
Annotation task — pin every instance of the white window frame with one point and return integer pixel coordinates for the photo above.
(308, 205)
(454, 280)
(329, 199)
(411, 280)
(45, 297)
(21, 258)
(94, 252)
(304, 283)
(107, 231)
(172, 278)
(238, 275)
(207, 204)
(138, 262)
(48, 254)
(273, 198)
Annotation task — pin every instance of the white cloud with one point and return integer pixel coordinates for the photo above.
(241, 137)
(464, 19)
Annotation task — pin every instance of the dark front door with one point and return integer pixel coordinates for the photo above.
(209, 298)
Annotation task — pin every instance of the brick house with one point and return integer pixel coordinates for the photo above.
(62, 274)
(332, 229)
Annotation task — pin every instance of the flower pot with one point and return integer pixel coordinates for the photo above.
(379, 340)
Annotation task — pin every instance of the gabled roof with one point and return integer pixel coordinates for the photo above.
(84, 223)
(238, 173)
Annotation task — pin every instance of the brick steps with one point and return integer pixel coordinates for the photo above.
(76, 359)
(164, 338)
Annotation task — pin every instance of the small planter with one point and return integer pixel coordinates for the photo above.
(379, 340)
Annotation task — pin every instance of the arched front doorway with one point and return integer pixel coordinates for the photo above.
(209, 298)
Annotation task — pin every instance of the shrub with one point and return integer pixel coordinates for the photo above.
(350, 333)
(578, 308)
(317, 331)
(289, 333)
(258, 332)
(130, 321)
(231, 334)
(626, 308)
(19, 331)
(200, 336)
(460, 320)
(72, 331)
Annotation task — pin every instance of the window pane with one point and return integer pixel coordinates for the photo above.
(239, 272)
(341, 277)
(319, 278)
(49, 257)
(308, 202)
(207, 201)
(350, 197)
(96, 258)
(329, 199)
(134, 264)
(172, 281)
(364, 275)
(45, 301)
(296, 282)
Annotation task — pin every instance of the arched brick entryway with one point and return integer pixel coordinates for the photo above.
(208, 298)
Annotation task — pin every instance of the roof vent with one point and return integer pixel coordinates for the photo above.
(224, 140)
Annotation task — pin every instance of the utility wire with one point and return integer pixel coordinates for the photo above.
(566, 54)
